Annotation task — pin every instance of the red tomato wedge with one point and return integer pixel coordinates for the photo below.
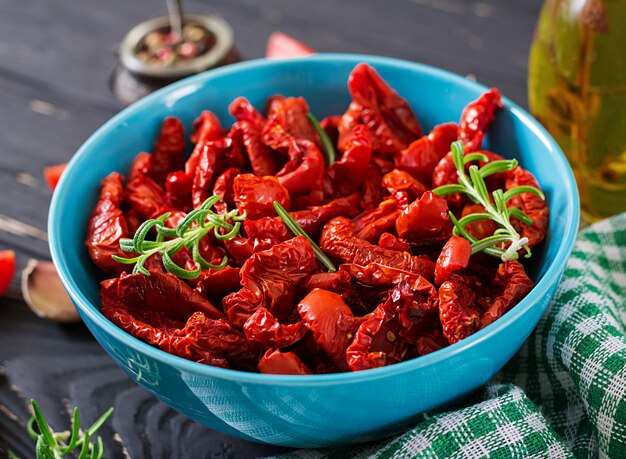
(280, 45)
(53, 174)
(454, 256)
(7, 269)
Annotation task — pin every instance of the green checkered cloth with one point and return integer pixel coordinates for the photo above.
(564, 393)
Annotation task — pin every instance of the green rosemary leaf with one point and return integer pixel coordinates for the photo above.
(189, 219)
(240, 218)
(166, 232)
(475, 157)
(457, 150)
(298, 231)
(521, 216)
(43, 450)
(127, 245)
(210, 202)
(445, 190)
(42, 425)
(496, 167)
(479, 184)
(231, 234)
(523, 189)
(125, 261)
(84, 451)
(219, 222)
(142, 232)
(198, 259)
(173, 268)
(75, 432)
(471, 218)
(327, 144)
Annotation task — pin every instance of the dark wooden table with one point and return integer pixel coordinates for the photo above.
(55, 61)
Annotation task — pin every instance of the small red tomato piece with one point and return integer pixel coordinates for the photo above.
(7, 269)
(454, 256)
(425, 217)
(282, 363)
(281, 45)
(53, 174)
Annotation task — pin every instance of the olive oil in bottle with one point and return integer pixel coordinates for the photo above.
(577, 90)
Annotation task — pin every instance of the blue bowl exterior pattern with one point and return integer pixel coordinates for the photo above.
(320, 410)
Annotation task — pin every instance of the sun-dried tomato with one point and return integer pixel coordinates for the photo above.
(256, 195)
(531, 204)
(107, 226)
(287, 122)
(391, 242)
(511, 284)
(269, 279)
(398, 180)
(455, 255)
(476, 118)
(263, 330)
(169, 150)
(224, 187)
(338, 239)
(420, 158)
(431, 341)
(387, 115)
(370, 224)
(458, 317)
(304, 171)
(331, 321)
(424, 218)
(282, 363)
(263, 160)
(242, 110)
(205, 128)
(346, 175)
(146, 198)
(178, 187)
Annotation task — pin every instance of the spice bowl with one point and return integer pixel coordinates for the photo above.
(311, 410)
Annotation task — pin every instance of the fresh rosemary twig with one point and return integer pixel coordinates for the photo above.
(53, 445)
(327, 144)
(473, 185)
(298, 231)
(196, 225)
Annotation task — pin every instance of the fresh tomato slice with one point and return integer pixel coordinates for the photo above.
(53, 174)
(454, 256)
(280, 45)
(7, 269)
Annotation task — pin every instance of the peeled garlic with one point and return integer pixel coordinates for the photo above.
(44, 294)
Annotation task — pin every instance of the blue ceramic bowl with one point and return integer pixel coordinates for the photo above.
(320, 410)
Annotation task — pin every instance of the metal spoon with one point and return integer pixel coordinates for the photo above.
(175, 10)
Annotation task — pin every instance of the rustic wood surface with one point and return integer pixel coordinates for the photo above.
(55, 61)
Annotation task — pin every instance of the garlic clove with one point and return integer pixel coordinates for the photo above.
(44, 293)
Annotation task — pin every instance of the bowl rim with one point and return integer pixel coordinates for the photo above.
(550, 277)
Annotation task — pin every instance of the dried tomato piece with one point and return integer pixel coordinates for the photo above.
(346, 175)
(287, 121)
(482, 228)
(107, 226)
(456, 300)
(370, 224)
(146, 198)
(431, 341)
(7, 269)
(158, 292)
(305, 169)
(378, 341)
(445, 173)
(263, 160)
(140, 166)
(169, 150)
(531, 204)
(420, 158)
(391, 242)
(330, 124)
(338, 239)
(243, 110)
(218, 280)
(263, 330)
(52, 174)
(455, 255)
(206, 128)
(338, 282)
(371, 188)
(401, 181)
(224, 187)
(178, 187)
(476, 118)
(331, 321)
(212, 161)
(424, 218)
(282, 363)
(387, 115)
(256, 195)
(513, 284)
(269, 279)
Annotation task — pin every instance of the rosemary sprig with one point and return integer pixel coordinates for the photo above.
(196, 225)
(298, 231)
(473, 185)
(327, 144)
(53, 445)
